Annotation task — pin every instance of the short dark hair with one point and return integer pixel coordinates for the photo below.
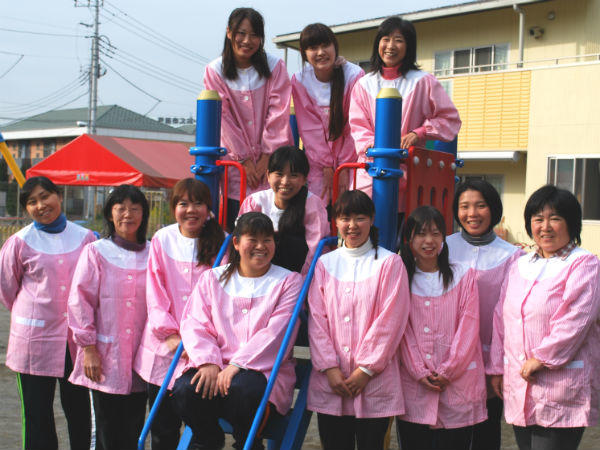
(34, 182)
(563, 202)
(387, 27)
(119, 195)
(490, 196)
(259, 59)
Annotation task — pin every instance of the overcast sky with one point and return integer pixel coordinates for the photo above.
(153, 52)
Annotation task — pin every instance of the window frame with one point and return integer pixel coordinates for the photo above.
(471, 68)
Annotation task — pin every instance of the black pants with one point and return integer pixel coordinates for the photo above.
(233, 209)
(238, 408)
(167, 423)
(540, 438)
(37, 398)
(487, 435)
(344, 432)
(119, 419)
(416, 436)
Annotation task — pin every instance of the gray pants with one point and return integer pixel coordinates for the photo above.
(535, 437)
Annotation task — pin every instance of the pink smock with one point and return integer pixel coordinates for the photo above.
(37, 269)
(311, 104)
(255, 114)
(243, 322)
(491, 263)
(107, 308)
(426, 110)
(173, 271)
(358, 312)
(441, 337)
(316, 225)
(550, 311)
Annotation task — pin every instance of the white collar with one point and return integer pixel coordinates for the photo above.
(358, 251)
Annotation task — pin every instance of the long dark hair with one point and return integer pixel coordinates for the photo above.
(119, 195)
(259, 59)
(357, 202)
(317, 34)
(211, 235)
(292, 219)
(34, 182)
(422, 218)
(387, 27)
(252, 223)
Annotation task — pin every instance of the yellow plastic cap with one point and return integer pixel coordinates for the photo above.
(389, 92)
(209, 95)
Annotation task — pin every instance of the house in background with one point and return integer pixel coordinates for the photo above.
(35, 138)
(524, 76)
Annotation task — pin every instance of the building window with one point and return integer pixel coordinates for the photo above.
(24, 150)
(581, 176)
(471, 60)
(49, 148)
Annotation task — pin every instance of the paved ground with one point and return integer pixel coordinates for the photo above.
(10, 413)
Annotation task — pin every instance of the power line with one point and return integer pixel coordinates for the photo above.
(13, 66)
(129, 82)
(38, 32)
(55, 108)
(152, 32)
(29, 55)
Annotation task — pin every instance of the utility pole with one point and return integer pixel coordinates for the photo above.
(94, 72)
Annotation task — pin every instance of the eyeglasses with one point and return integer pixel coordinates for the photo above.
(121, 210)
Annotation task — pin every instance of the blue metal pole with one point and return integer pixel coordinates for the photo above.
(208, 138)
(385, 168)
(294, 126)
(163, 388)
(260, 412)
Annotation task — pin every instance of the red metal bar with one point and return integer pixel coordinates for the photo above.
(336, 183)
(223, 210)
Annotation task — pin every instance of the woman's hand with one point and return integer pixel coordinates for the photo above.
(439, 380)
(172, 342)
(92, 363)
(408, 140)
(327, 183)
(337, 383)
(357, 381)
(224, 379)
(426, 381)
(530, 367)
(261, 168)
(497, 383)
(207, 380)
(251, 175)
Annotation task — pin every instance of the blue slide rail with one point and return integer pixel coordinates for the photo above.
(164, 387)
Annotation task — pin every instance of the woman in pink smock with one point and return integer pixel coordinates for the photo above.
(443, 376)
(179, 253)
(256, 93)
(358, 304)
(478, 209)
(107, 314)
(37, 267)
(321, 91)
(298, 215)
(427, 111)
(545, 354)
(232, 328)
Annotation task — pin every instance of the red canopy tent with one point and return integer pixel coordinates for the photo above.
(110, 161)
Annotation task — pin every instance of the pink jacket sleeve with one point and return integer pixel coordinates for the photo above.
(162, 323)
(83, 298)
(232, 134)
(316, 227)
(361, 122)
(310, 127)
(411, 356)
(277, 131)
(322, 348)
(259, 352)
(11, 270)
(442, 121)
(249, 205)
(466, 339)
(381, 341)
(197, 330)
(347, 150)
(495, 365)
(571, 321)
